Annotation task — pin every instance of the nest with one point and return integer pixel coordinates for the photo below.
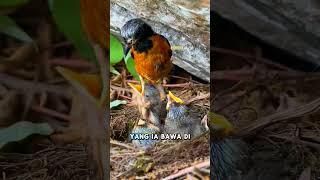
(163, 160)
(170, 159)
(53, 162)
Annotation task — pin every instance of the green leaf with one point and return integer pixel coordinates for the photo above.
(116, 50)
(66, 14)
(114, 71)
(116, 103)
(131, 66)
(22, 130)
(10, 28)
(12, 3)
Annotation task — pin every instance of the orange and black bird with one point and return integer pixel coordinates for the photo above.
(151, 53)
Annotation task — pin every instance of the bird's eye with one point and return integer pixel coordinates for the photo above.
(129, 41)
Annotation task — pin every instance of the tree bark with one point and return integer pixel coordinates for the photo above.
(183, 23)
(291, 25)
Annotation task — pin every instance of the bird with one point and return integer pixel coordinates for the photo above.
(230, 157)
(150, 101)
(180, 120)
(143, 134)
(225, 153)
(151, 53)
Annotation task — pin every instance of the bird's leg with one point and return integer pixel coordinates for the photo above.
(161, 91)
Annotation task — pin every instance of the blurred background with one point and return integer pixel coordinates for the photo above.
(46, 59)
(264, 79)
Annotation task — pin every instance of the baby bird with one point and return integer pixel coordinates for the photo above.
(179, 120)
(143, 133)
(231, 159)
(150, 101)
(225, 153)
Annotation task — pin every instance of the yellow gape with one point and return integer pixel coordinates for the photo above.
(137, 88)
(220, 125)
(175, 98)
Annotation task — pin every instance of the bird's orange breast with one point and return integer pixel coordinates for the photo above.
(154, 63)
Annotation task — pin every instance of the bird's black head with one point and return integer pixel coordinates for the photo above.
(136, 29)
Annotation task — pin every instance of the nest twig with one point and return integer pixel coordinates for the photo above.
(53, 162)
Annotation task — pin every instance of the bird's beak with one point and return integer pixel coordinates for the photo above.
(175, 98)
(136, 88)
(127, 48)
(141, 122)
(220, 123)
